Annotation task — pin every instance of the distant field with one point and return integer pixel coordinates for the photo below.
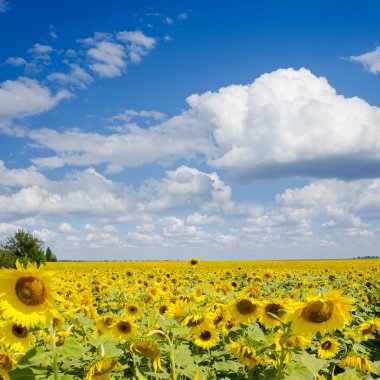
(193, 320)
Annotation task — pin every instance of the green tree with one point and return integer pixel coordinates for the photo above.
(25, 247)
(7, 260)
(50, 256)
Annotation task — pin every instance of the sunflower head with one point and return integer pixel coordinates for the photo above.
(27, 295)
(7, 363)
(321, 314)
(147, 348)
(194, 262)
(356, 360)
(205, 336)
(328, 348)
(102, 368)
(244, 309)
(244, 353)
(16, 336)
(123, 328)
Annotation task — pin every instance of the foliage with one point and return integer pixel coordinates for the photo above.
(50, 256)
(25, 247)
(7, 260)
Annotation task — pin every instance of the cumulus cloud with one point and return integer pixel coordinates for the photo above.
(187, 188)
(370, 60)
(290, 122)
(41, 52)
(25, 97)
(286, 123)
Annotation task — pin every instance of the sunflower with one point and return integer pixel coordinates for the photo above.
(293, 340)
(356, 360)
(123, 329)
(324, 314)
(17, 337)
(367, 329)
(194, 262)
(134, 310)
(102, 368)
(328, 348)
(104, 324)
(148, 348)
(196, 319)
(27, 296)
(205, 336)
(244, 353)
(244, 310)
(268, 310)
(7, 363)
(177, 309)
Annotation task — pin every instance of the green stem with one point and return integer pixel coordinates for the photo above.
(54, 353)
(172, 360)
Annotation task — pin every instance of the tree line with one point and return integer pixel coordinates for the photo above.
(24, 247)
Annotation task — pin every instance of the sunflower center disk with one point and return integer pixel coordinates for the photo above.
(318, 311)
(31, 291)
(19, 331)
(326, 345)
(124, 327)
(205, 335)
(273, 309)
(245, 307)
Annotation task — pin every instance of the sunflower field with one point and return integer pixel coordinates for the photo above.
(294, 320)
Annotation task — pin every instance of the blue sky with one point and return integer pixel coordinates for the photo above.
(165, 130)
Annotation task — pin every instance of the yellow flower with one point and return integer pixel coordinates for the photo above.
(27, 296)
(194, 261)
(324, 314)
(104, 324)
(147, 348)
(102, 368)
(268, 308)
(196, 319)
(244, 310)
(367, 329)
(16, 336)
(123, 329)
(356, 360)
(134, 310)
(205, 336)
(244, 353)
(7, 363)
(328, 348)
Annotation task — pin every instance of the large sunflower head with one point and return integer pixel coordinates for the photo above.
(27, 296)
(244, 309)
(367, 329)
(324, 314)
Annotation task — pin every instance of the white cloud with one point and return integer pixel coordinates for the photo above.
(187, 188)
(129, 114)
(16, 61)
(370, 60)
(182, 136)
(21, 177)
(183, 16)
(137, 44)
(286, 123)
(24, 97)
(110, 54)
(168, 20)
(109, 59)
(290, 122)
(65, 227)
(41, 52)
(77, 77)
